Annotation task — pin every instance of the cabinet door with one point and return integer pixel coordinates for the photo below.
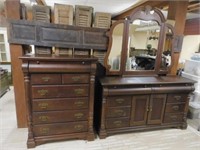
(139, 109)
(156, 108)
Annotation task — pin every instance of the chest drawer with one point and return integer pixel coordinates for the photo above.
(119, 101)
(59, 91)
(118, 112)
(45, 79)
(60, 128)
(59, 116)
(117, 123)
(75, 78)
(59, 104)
(173, 118)
(173, 98)
(175, 108)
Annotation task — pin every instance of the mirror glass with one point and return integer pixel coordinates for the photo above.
(114, 57)
(167, 51)
(142, 45)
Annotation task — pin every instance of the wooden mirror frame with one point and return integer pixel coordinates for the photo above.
(110, 33)
(143, 13)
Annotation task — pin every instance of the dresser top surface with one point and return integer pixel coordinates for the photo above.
(145, 80)
(53, 57)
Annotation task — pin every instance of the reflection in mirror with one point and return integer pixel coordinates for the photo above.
(166, 54)
(143, 45)
(114, 57)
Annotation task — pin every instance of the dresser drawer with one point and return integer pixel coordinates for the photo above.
(75, 78)
(45, 79)
(59, 104)
(119, 101)
(118, 112)
(175, 107)
(59, 91)
(60, 128)
(171, 117)
(59, 116)
(117, 123)
(173, 98)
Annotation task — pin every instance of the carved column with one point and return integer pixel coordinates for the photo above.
(91, 135)
(102, 131)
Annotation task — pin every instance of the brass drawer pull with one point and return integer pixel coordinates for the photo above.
(119, 111)
(76, 78)
(178, 98)
(43, 118)
(119, 100)
(43, 105)
(78, 115)
(174, 118)
(78, 127)
(175, 107)
(42, 92)
(44, 130)
(46, 79)
(117, 123)
(79, 103)
(79, 91)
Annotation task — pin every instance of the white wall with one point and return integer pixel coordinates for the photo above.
(190, 45)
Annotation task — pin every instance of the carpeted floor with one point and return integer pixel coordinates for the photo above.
(12, 138)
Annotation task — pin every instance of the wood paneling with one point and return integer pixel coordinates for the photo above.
(47, 34)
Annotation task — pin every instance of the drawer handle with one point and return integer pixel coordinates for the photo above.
(42, 92)
(178, 98)
(43, 105)
(120, 100)
(119, 111)
(43, 118)
(117, 123)
(79, 103)
(78, 115)
(76, 78)
(44, 130)
(174, 118)
(78, 127)
(79, 91)
(175, 107)
(46, 79)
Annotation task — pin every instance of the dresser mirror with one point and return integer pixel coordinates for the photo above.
(113, 57)
(167, 50)
(140, 45)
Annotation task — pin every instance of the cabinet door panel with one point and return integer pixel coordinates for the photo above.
(139, 109)
(156, 108)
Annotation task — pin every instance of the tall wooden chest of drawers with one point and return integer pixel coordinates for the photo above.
(128, 104)
(60, 97)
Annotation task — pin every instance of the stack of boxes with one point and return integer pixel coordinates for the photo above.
(192, 71)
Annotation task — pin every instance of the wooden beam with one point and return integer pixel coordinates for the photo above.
(12, 10)
(154, 3)
(41, 2)
(175, 9)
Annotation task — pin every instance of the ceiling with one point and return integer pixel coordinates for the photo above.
(115, 7)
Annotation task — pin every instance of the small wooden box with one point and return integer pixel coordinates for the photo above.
(83, 16)
(102, 20)
(63, 14)
(41, 13)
